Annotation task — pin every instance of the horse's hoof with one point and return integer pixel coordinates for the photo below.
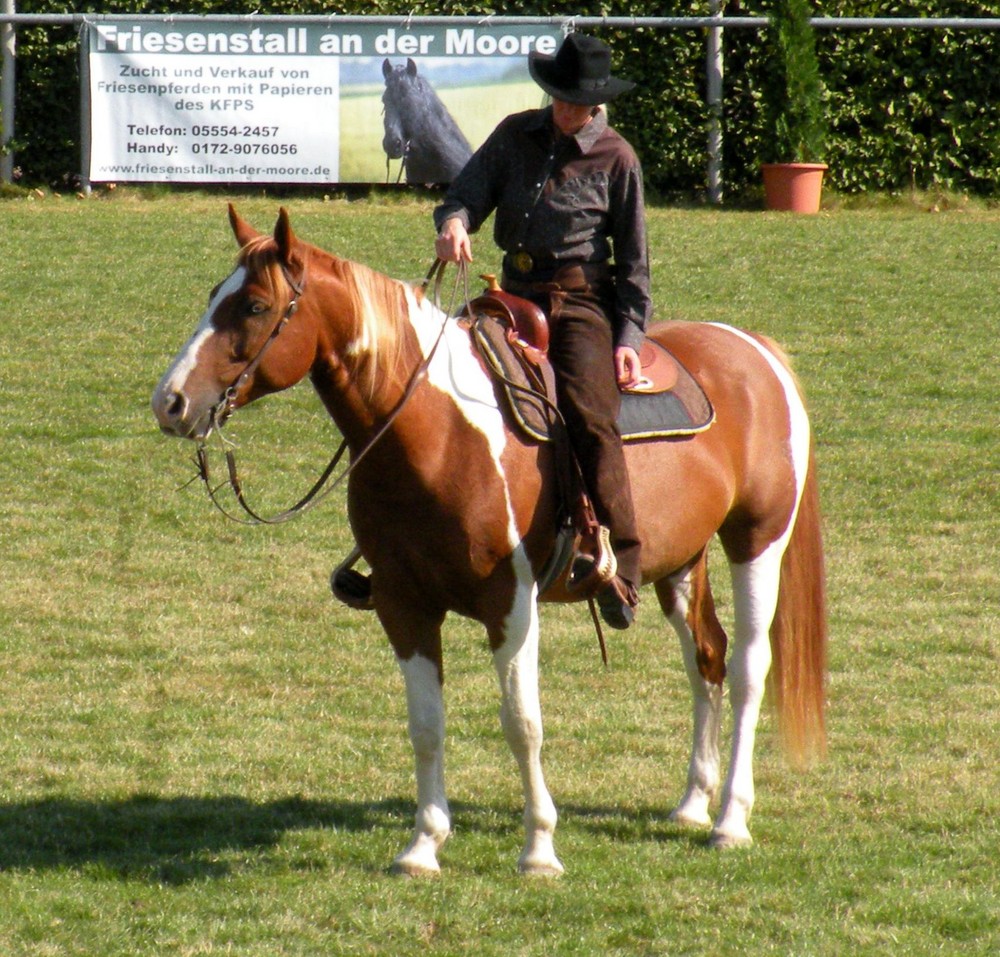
(419, 859)
(549, 867)
(689, 819)
(727, 842)
(406, 867)
(546, 871)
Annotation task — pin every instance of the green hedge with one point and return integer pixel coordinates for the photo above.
(906, 108)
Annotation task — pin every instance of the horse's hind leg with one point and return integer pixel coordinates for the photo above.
(755, 597)
(686, 600)
(516, 661)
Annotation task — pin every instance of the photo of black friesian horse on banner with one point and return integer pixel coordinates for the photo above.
(413, 107)
(418, 129)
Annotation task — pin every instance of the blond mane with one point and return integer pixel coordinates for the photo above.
(379, 306)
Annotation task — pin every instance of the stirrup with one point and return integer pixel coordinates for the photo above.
(351, 587)
(589, 573)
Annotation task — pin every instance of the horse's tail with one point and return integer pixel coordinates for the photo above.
(798, 634)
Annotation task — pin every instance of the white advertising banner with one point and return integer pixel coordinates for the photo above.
(253, 102)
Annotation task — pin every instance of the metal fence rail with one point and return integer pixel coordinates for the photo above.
(713, 25)
(568, 22)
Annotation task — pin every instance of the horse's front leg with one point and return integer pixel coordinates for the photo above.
(516, 660)
(425, 706)
(418, 652)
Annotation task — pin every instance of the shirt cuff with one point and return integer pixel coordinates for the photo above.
(631, 335)
(440, 218)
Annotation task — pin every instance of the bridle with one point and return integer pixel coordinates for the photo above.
(224, 408)
(402, 164)
(403, 156)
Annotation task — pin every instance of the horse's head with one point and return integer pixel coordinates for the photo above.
(401, 102)
(248, 342)
(419, 129)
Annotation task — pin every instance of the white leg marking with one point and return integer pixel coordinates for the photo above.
(755, 596)
(703, 767)
(516, 663)
(425, 705)
(456, 372)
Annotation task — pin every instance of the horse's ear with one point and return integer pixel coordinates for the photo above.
(284, 237)
(242, 230)
(411, 67)
(386, 68)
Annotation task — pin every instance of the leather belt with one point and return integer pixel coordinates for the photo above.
(566, 274)
(523, 263)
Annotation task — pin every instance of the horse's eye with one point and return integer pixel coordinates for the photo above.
(255, 307)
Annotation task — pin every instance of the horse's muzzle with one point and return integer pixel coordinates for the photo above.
(393, 146)
(173, 413)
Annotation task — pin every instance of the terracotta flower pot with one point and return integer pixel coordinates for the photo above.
(793, 187)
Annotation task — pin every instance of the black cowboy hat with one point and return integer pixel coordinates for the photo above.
(580, 72)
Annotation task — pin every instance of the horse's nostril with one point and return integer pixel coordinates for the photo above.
(174, 406)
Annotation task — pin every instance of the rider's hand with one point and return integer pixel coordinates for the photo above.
(628, 369)
(452, 243)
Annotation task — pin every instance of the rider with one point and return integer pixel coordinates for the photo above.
(567, 190)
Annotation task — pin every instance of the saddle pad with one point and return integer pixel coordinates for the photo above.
(521, 385)
(683, 409)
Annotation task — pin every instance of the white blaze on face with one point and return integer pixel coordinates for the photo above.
(175, 380)
(187, 359)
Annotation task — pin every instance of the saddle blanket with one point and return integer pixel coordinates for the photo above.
(668, 403)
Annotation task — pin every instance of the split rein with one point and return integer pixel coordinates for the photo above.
(402, 166)
(226, 406)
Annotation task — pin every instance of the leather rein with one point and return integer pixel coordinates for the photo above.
(402, 165)
(224, 408)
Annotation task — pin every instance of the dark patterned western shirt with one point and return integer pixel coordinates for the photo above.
(569, 198)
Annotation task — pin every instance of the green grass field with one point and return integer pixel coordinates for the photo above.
(202, 754)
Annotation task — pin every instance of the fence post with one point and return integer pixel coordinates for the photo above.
(714, 68)
(7, 42)
(85, 140)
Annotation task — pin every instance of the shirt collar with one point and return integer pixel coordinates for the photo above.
(585, 138)
(590, 133)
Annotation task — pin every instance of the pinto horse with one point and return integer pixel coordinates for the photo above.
(454, 511)
(418, 129)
